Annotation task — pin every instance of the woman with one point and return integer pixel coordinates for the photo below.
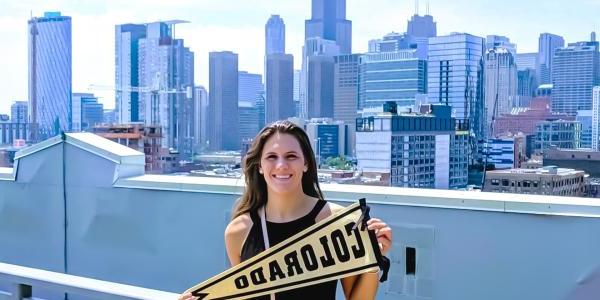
(282, 185)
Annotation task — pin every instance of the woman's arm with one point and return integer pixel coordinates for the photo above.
(363, 286)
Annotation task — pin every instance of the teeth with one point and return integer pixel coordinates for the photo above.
(283, 176)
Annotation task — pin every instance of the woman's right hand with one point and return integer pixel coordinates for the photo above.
(187, 296)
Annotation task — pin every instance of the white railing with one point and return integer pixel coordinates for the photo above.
(24, 280)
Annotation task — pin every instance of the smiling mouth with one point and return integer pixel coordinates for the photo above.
(282, 176)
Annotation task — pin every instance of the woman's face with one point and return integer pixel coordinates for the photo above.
(282, 164)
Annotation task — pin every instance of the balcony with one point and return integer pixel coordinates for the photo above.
(83, 207)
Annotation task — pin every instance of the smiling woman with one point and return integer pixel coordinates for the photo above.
(282, 198)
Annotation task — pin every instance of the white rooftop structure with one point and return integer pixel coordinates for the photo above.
(82, 206)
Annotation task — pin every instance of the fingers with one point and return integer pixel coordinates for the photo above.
(375, 224)
(383, 233)
(187, 296)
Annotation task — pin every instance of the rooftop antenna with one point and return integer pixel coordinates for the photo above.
(427, 8)
(417, 7)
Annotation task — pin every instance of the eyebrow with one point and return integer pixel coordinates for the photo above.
(289, 152)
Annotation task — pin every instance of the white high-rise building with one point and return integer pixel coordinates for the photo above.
(166, 71)
(500, 85)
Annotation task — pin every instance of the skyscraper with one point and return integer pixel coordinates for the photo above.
(201, 125)
(421, 26)
(280, 87)
(455, 74)
(87, 112)
(345, 89)
(223, 101)
(526, 86)
(297, 92)
(249, 86)
(279, 73)
(420, 29)
(547, 43)
(391, 76)
(50, 74)
(316, 80)
(392, 42)
(127, 100)
(18, 112)
(575, 71)
(455, 78)
(345, 95)
(274, 35)
(499, 41)
(248, 118)
(165, 72)
(500, 85)
(596, 119)
(328, 21)
(526, 61)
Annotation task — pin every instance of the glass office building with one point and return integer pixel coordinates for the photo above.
(455, 74)
(391, 76)
(50, 74)
(575, 72)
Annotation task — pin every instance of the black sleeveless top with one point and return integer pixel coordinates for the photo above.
(278, 232)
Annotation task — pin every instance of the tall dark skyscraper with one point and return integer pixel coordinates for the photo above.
(274, 35)
(329, 22)
(421, 26)
(280, 87)
(223, 101)
(279, 73)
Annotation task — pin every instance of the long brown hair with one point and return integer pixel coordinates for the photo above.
(255, 193)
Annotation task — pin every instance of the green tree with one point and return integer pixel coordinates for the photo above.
(338, 163)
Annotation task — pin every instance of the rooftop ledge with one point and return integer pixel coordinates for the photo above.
(482, 201)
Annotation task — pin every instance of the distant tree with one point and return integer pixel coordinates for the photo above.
(338, 163)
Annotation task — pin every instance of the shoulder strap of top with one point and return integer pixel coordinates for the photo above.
(317, 209)
(254, 217)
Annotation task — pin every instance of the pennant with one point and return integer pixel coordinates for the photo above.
(337, 247)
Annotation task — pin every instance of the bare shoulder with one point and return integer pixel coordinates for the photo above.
(329, 209)
(238, 228)
(235, 235)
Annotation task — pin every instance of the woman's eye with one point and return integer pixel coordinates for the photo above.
(272, 157)
(292, 156)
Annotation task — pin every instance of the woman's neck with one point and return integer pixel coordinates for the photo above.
(285, 208)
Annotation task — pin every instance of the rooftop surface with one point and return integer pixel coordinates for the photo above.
(166, 232)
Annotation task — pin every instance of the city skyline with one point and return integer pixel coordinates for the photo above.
(242, 31)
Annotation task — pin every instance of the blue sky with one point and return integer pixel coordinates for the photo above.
(238, 25)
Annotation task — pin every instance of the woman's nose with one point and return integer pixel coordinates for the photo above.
(281, 164)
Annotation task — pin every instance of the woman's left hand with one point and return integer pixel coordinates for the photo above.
(383, 233)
